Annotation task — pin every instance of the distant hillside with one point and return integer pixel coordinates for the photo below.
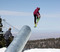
(43, 43)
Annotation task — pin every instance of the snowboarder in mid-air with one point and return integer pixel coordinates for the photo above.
(36, 16)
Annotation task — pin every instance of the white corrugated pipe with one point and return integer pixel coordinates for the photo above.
(19, 42)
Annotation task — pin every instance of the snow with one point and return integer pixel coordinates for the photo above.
(36, 50)
(42, 50)
(2, 49)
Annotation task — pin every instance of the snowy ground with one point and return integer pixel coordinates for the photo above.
(2, 49)
(42, 50)
(36, 50)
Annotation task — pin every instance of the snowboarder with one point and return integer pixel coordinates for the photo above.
(36, 16)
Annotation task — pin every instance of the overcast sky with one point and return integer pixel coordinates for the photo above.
(20, 12)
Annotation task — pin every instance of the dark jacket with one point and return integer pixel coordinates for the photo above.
(7, 34)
